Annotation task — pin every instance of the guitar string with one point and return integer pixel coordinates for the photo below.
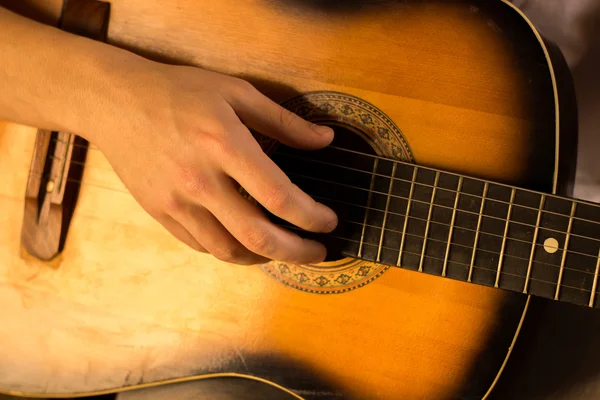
(445, 225)
(437, 205)
(82, 164)
(92, 184)
(429, 238)
(422, 167)
(91, 147)
(468, 266)
(538, 245)
(431, 204)
(475, 267)
(420, 201)
(413, 217)
(437, 187)
(415, 200)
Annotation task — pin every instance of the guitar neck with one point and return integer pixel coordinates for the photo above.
(455, 226)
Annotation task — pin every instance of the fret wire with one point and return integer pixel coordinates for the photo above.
(117, 190)
(92, 147)
(354, 205)
(593, 294)
(428, 223)
(564, 254)
(463, 245)
(562, 267)
(440, 259)
(444, 224)
(450, 190)
(408, 203)
(452, 221)
(362, 235)
(481, 180)
(470, 247)
(464, 264)
(385, 214)
(485, 190)
(533, 246)
(79, 182)
(447, 207)
(375, 209)
(500, 259)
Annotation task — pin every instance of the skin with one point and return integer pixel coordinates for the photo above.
(177, 136)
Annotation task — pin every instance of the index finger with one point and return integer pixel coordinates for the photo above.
(269, 118)
(274, 190)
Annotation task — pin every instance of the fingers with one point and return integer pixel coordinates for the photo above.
(259, 235)
(207, 230)
(266, 183)
(267, 117)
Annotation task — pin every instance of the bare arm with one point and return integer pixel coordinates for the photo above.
(174, 136)
(42, 71)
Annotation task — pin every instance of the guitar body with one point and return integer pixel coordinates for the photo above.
(462, 86)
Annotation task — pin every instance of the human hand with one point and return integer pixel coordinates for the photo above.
(175, 135)
(184, 142)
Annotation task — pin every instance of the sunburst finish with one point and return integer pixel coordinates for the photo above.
(463, 86)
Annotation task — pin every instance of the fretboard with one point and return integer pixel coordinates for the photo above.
(455, 226)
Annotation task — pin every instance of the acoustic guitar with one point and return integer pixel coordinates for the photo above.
(455, 128)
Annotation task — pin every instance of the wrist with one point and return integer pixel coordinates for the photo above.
(98, 90)
(59, 81)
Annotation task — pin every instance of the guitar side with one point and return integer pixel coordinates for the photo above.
(127, 306)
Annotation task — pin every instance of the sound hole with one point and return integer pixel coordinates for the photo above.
(340, 180)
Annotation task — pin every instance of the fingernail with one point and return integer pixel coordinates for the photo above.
(319, 249)
(331, 225)
(320, 259)
(322, 129)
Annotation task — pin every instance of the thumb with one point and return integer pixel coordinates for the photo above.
(263, 115)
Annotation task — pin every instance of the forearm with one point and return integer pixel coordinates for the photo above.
(55, 80)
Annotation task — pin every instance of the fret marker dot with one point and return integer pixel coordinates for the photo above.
(551, 245)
